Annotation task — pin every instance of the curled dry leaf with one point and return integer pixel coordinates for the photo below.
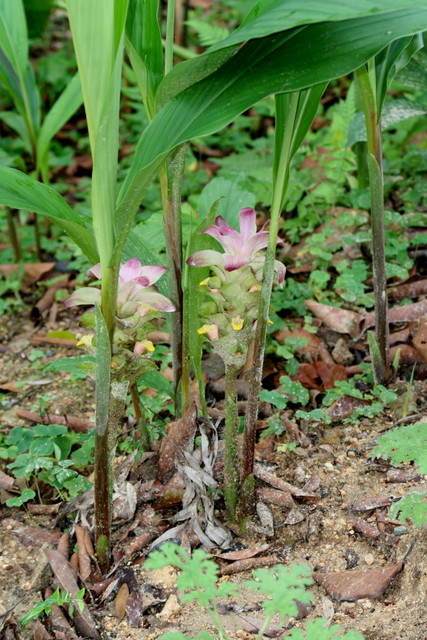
(408, 290)
(63, 571)
(33, 271)
(319, 375)
(374, 502)
(345, 406)
(294, 516)
(274, 496)
(179, 435)
(241, 554)
(355, 585)
(339, 320)
(402, 475)
(249, 564)
(6, 482)
(405, 313)
(266, 519)
(84, 558)
(120, 601)
(420, 340)
(366, 529)
(31, 536)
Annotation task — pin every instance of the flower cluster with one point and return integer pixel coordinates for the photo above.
(138, 303)
(230, 316)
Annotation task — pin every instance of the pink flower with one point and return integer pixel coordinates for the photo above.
(135, 290)
(241, 248)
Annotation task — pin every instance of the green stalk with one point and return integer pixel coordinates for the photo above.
(283, 156)
(170, 32)
(143, 432)
(231, 480)
(13, 235)
(366, 78)
(171, 181)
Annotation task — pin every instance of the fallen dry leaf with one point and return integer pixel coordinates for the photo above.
(84, 557)
(120, 601)
(266, 519)
(339, 320)
(249, 564)
(241, 554)
(420, 340)
(179, 435)
(413, 289)
(402, 475)
(345, 406)
(33, 272)
(366, 529)
(355, 585)
(274, 496)
(374, 502)
(405, 313)
(6, 482)
(314, 349)
(63, 571)
(31, 536)
(319, 375)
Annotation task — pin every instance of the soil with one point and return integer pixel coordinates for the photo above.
(325, 539)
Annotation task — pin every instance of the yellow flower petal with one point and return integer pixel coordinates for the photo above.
(85, 340)
(237, 323)
(204, 282)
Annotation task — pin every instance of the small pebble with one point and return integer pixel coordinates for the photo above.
(369, 559)
(325, 492)
(400, 531)
(329, 466)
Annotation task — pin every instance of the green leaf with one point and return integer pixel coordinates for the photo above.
(77, 365)
(275, 398)
(413, 506)
(283, 585)
(65, 106)
(27, 494)
(157, 381)
(393, 112)
(98, 30)
(304, 56)
(19, 191)
(320, 630)
(144, 47)
(404, 444)
(231, 197)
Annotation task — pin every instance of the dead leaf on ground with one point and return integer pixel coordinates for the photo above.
(294, 516)
(31, 536)
(405, 313)
(274, 496)
(120, 601)
(355, 585)
(345, 406)
(254, 625)
(408, 290)
(33, 272)
(314, 348)
(249, 564)
(40, 632)
(420, 340)
(319, 375)
(63, 571)
(84, 557)
(339, 320)
(402, 475)
(366, 529)
(179, 435)
(266, 519)
(407, 355)
(241, 554)
(6, 482)
(374, 502)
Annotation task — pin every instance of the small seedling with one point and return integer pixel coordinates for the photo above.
(406, 444)
(45, 607)
(281, 587)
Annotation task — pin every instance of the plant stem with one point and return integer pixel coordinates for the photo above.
(283, 150)
(144, 434)
(366, 79)
(170, 181)
(170, 31)
(13, 235)
(231, 480)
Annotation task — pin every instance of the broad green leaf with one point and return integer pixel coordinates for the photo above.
(413, 506)
(270, 17)
(393, 112)
(65, 106)
(391, 60)
(157, 381)
(284, 62)
(98, 29)
(230, 198)
(19, 191)
(144, 46)
(404, 444)
(16, 73)
(15, 121)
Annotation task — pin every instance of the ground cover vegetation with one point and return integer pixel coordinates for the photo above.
(235, 194)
